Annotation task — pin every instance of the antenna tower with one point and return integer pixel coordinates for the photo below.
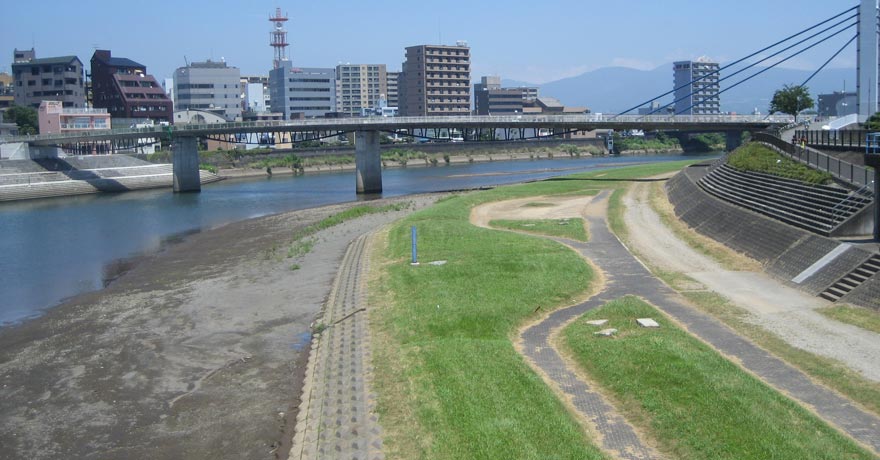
(278, 37)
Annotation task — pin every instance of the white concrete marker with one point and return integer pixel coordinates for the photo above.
(597, 322)
(825, 260)
(647, 322)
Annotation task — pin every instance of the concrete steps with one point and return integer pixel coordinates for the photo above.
(853, 279)
(815, 208)
(98, 181)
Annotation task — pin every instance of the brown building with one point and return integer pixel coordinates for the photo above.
(436, 80)
(47, 79)
(124, 88)
(7, 94)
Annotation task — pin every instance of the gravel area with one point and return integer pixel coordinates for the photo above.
(787, 312)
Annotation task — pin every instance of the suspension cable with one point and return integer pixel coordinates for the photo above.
(829, 60)
(764, 59)
(762, 71)
(741, 60)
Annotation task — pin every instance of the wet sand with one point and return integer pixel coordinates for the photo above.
(197, 351)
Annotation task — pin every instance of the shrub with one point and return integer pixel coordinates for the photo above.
(758, 158)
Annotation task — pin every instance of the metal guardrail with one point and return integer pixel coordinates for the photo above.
(859, 176)
(847, 138)
(352, 124)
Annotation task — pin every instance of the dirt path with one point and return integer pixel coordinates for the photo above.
(787, 312)
(197, 352)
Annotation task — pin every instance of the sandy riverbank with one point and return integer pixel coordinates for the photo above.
(197, 352)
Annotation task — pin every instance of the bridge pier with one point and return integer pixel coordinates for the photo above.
(368, 160)
(733, 140)
(185, 156)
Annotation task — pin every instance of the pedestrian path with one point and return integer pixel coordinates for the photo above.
(625, 275)
(336, 416)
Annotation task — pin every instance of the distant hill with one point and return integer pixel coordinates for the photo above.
(613, 89)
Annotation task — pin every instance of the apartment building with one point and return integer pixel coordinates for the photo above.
(698, 88)
(126, 90)
(55, 118)
(359, 87)
(391, 82)
(55, 78)
(436, 81)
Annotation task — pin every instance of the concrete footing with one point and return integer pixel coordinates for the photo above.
(186, 165)
(368, 161)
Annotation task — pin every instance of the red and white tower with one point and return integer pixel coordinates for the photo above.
(278, 37)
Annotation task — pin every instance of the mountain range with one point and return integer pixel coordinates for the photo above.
(614, 89)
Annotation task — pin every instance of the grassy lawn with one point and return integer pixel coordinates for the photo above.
(857, 316)
(572, 228)
(826, 371)
(758, 158)
(450, 384)
(695, 403)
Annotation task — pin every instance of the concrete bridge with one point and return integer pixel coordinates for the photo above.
(367, 134)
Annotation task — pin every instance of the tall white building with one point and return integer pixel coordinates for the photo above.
(210, 86)
(696, 97)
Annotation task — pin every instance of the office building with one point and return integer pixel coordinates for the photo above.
(126, 90)
(359, 87)
(697, 83)
(310, 91)
(252, 98)
(491, 99)
(837, 104)
(55, 78)
(209, 86)
(435, 81)
(55, 118)
(391, 83)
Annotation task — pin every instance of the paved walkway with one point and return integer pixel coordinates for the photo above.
(336, 418)
(627, 276)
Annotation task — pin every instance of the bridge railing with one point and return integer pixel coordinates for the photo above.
(859, 176)
(352, 124)
(846, 138)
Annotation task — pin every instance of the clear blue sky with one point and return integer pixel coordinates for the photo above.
(527, 41)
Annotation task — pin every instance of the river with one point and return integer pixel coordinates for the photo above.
(52, 249)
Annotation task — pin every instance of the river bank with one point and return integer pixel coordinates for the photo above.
(196, 352)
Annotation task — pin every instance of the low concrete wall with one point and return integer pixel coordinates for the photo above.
(784, 251)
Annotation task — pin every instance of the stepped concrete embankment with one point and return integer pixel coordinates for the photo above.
(790, 254)
(31, 179)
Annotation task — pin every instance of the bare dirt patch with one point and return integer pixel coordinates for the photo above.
(551, 207)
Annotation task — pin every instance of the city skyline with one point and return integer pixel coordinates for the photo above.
(515, 40)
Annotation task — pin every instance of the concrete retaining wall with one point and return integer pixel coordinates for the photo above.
(784, 251)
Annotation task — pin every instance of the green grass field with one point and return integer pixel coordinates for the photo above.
(450, 383)
(758, 158)
(857, 316)
(692, 401)
(572, 229)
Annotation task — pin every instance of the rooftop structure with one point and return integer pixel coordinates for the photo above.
(278, 38)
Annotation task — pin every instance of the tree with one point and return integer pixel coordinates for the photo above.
(873, 122)
(25, 117)
(791, 99)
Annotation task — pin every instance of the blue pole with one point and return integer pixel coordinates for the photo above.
(414, 247)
